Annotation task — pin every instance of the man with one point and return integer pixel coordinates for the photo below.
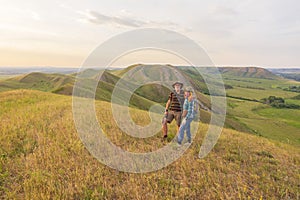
(173, 107)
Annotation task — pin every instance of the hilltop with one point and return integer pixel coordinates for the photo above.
(248, 72)
(43, 158)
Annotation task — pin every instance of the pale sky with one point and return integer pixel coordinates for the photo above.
(262, 33)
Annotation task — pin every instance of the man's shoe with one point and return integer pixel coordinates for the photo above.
(165, 136)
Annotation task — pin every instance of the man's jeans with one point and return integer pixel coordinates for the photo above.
(185, 126)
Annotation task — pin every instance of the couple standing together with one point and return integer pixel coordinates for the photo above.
(180, 106)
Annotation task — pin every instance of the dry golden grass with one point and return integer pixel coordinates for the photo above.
(41, 157)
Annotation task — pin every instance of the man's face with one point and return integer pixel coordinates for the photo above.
(177, 87)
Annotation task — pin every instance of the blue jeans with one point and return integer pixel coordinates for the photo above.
(185, 126)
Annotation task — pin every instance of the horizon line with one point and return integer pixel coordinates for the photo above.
(177, 65)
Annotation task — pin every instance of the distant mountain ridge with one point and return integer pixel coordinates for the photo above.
(289, 73)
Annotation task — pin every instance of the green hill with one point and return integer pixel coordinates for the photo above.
(37, 81)
(165, 73)
(248, 72)
(63, 84)
(230, 74)
(41, 157)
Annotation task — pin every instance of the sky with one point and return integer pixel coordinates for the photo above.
(263, 33)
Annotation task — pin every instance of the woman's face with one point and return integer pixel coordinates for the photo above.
(187, 94)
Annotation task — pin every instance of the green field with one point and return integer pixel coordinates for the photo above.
(290, 116)
(254, 88)
(276, 124)
(293, 101)
(256, 118)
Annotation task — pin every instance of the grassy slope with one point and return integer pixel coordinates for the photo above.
(276, 124)
(42, 158)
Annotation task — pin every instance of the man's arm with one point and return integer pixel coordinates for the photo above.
(167, 106)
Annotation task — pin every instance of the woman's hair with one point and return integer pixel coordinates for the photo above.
(190, 98)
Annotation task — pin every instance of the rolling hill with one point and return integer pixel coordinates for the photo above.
(41, 157)
(63, 84)
(244, 87)
(38, 81)
(248, 72)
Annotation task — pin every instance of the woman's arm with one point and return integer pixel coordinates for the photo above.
(184, 113)
(185, 108)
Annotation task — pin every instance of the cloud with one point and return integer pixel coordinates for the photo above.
(35, 16)
(225, 11)
(124, 21)
(99, 18)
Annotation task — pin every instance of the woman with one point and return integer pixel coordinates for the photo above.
(187, 116)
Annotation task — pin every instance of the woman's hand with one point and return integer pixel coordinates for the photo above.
(184, 113)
